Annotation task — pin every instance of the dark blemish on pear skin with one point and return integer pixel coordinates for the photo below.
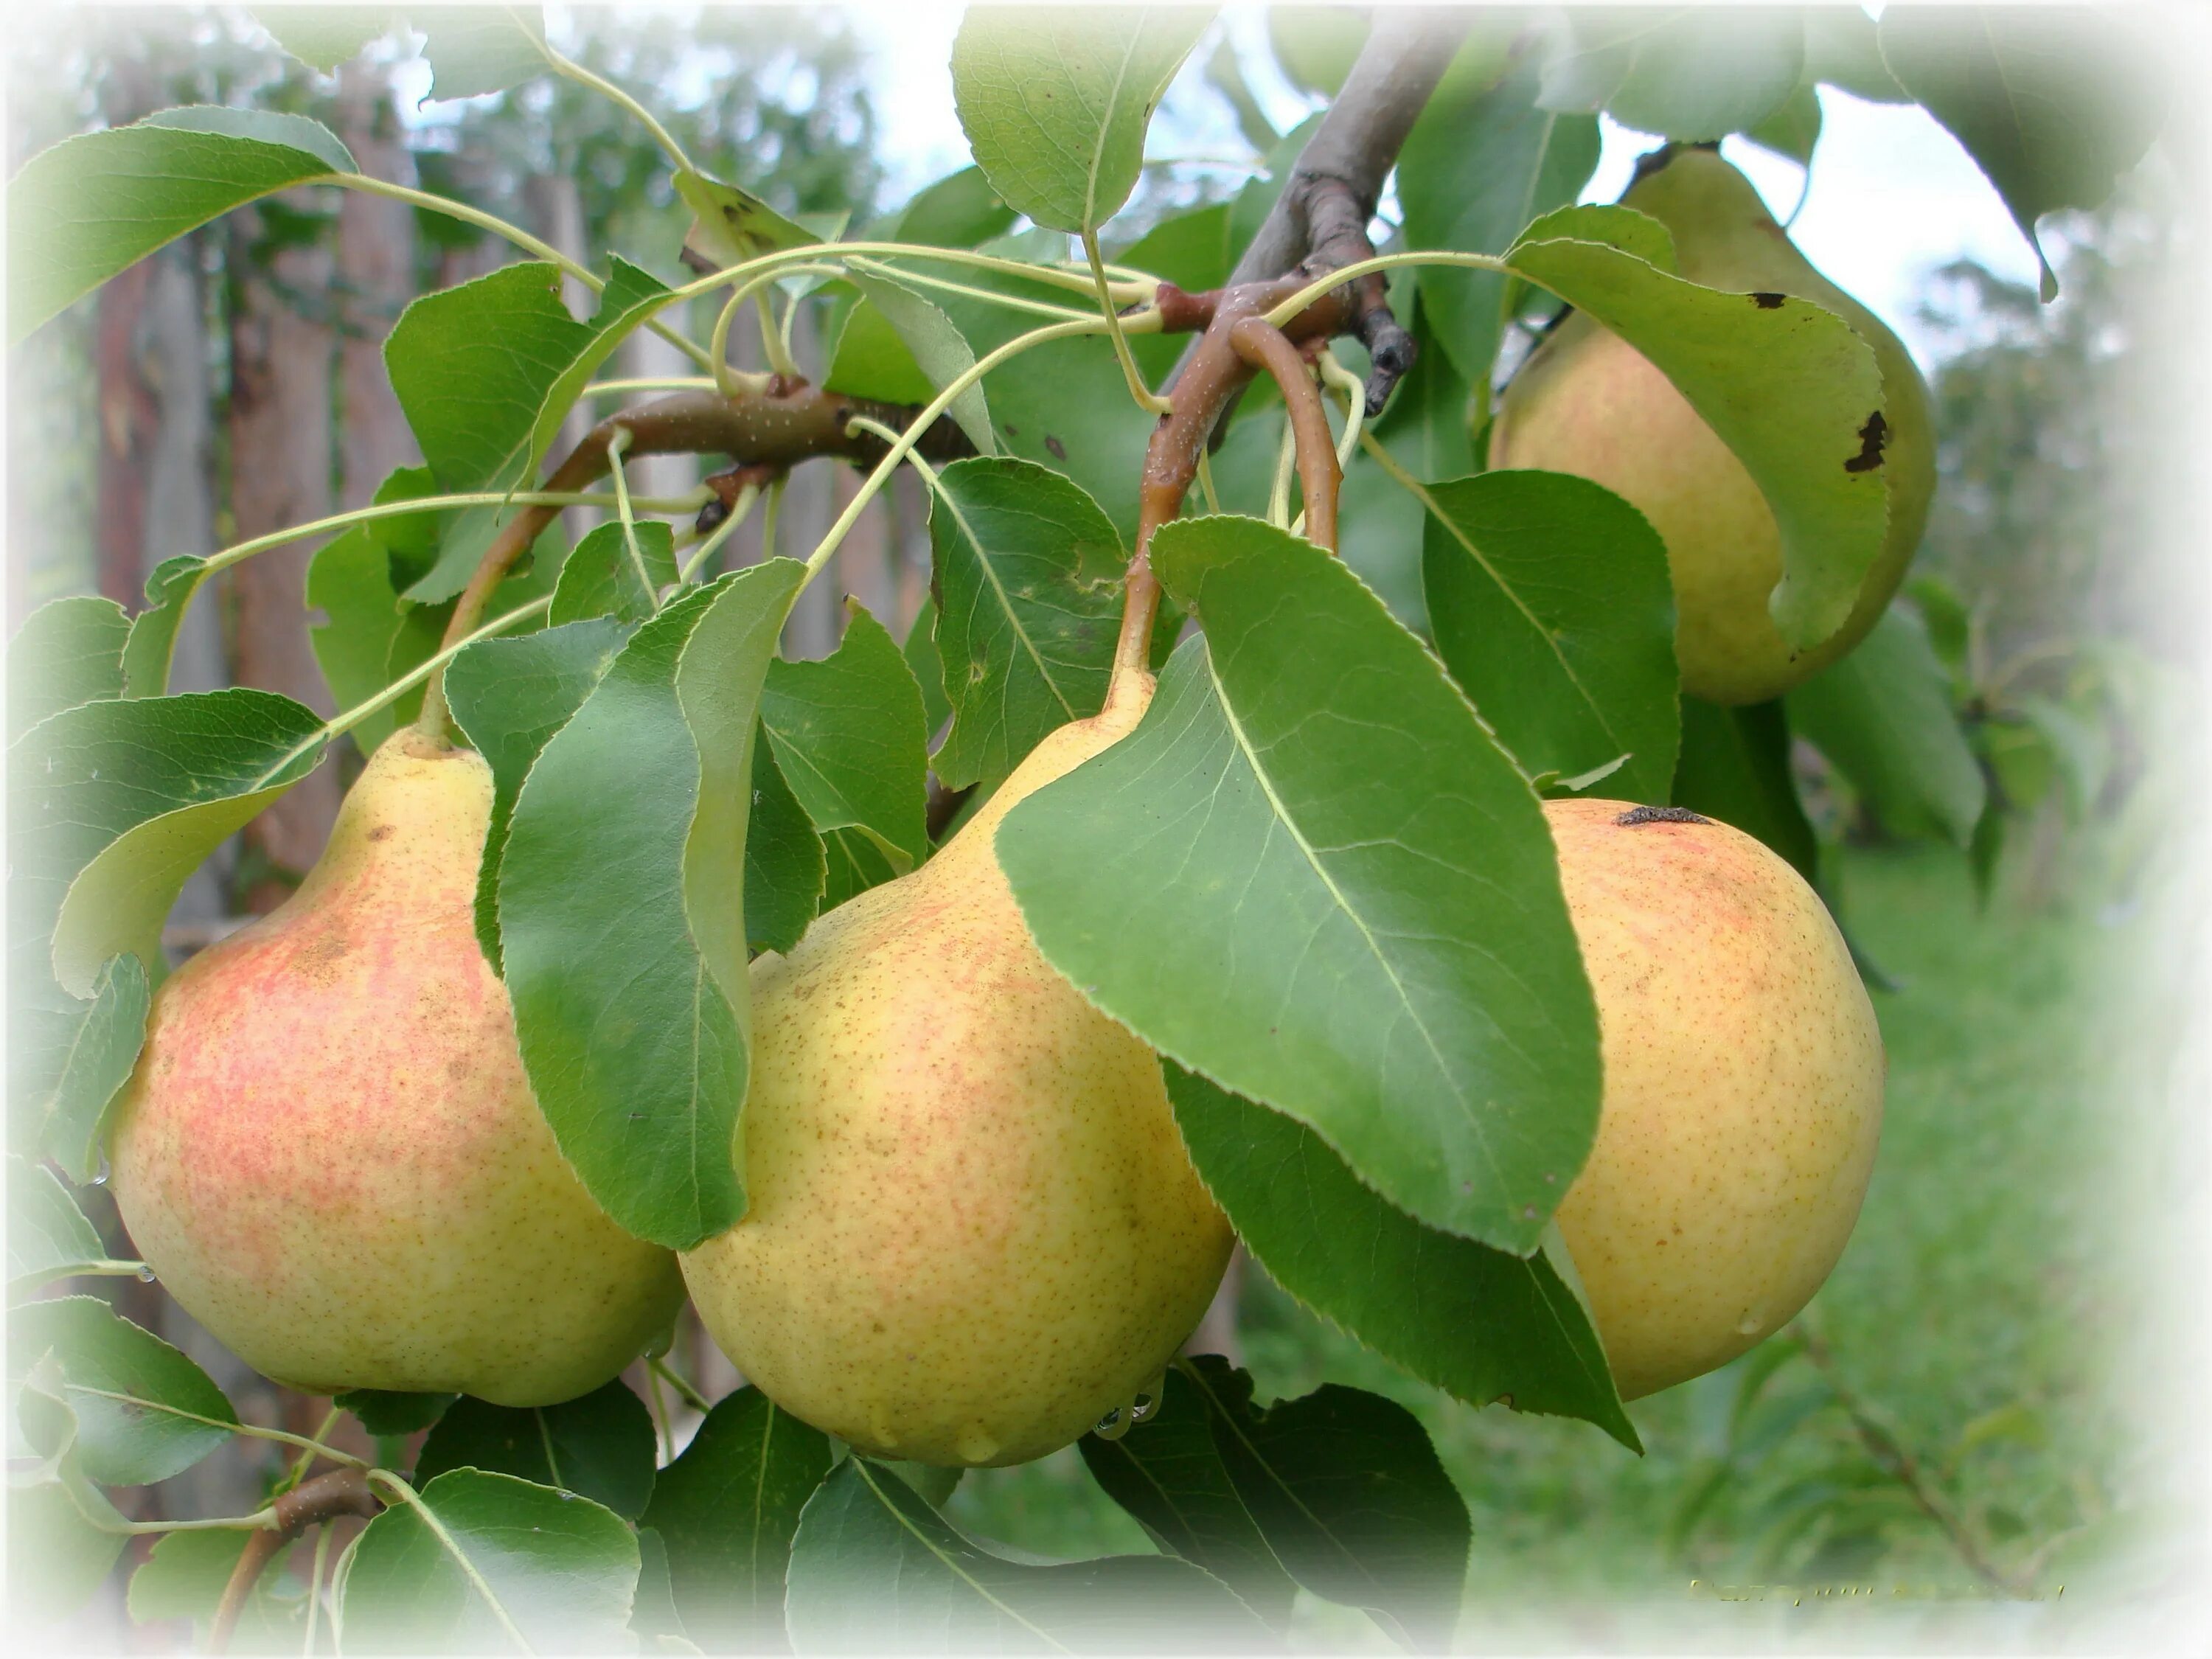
(382, 832)
(1874, 437)
(1635, 815)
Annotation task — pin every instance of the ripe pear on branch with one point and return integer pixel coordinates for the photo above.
(1587, 402)
(1743, 1083)
(330, 1154)
(972, 1230)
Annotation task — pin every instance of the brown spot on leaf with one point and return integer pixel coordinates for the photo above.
(1635, 815)
(1874, 438)
(1768, 301)
(1059, 449)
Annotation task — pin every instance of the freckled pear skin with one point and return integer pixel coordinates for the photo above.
(972, 1230)
(1743, 1084)
(1587, 402)
(330, 1153)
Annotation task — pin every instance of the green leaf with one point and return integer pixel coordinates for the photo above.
(48, 1237)
(874, 1569)
(1550, 601)
(56, 1559)
(483, 1563)
(67, 652)
(1166, 1473)
(486, 372)
(870, 361)
(599, 1446)
(474, 50)
(325, 37)
(1793, 128)
(102, 1054)
(726, 1510)
(652, 1613)
(1056, 100)
(96, 204)
(1482, 162)
(144, 1412)
(153, 643)
(1843, 49)
(1691, 74)
(385, 1413)
(350, 581)
(1480, 1324)
(732, 225)
(2052, 103)
(1028, 589)
(786, 870)
(1788, 387)
(621, 893)
(509, 696)
(1311, 874)
(939, 350)
(848, 738)
(1735, 766)
(1883, 715)
(928, 666)
(184, 1576)
(606, 576)
(115, 803)
(1350, 1496)
(959, 210)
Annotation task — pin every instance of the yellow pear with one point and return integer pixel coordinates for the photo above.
(1743, 1080)
(1587, 402)
(330, 1153)
(972, 1230)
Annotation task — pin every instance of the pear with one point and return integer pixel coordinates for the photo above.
(1587, 402)
(1743, 1081)
(972, 1230)
(329, 1152)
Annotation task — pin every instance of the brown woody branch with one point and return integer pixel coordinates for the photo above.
(341, 1492)
(1318, 224)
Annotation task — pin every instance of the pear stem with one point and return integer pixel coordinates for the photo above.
(1262, 345)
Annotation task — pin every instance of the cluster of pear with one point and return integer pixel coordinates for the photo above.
(972, 1231)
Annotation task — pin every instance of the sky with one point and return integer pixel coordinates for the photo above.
(1892, 194)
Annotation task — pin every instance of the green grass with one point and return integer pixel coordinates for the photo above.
(1973, 1313)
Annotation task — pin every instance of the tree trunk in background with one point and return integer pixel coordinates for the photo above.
(375, 279)
(280, 364)
(128, 420)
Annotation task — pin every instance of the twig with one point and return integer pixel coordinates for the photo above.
(341, 1492)
(1899, 1464)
